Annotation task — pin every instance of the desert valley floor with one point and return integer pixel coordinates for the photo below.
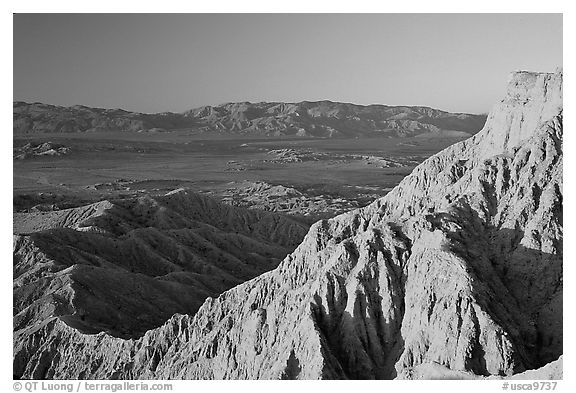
(303, 177)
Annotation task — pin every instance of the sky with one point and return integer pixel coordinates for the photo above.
(174, 62)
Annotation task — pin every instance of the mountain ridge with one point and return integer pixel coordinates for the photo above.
(322, 119)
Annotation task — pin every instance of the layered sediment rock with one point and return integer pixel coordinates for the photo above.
(458, 269)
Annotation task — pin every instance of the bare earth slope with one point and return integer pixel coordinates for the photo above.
(304, 119)
(459, 268)
(126, 266)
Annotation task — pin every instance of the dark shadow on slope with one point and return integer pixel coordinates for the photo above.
(515, 285)
(362, 345)
(293, 369)
(132, 280)
(518, 286)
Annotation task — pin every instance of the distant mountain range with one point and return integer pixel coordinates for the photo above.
(323, 119)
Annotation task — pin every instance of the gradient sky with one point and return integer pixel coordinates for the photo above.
(174, 62)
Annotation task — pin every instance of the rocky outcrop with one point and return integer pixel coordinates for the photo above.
(305, 119)
(30, 150)
(302, 205)
(457, 270)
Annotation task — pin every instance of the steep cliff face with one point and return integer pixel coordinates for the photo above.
(459, 268)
